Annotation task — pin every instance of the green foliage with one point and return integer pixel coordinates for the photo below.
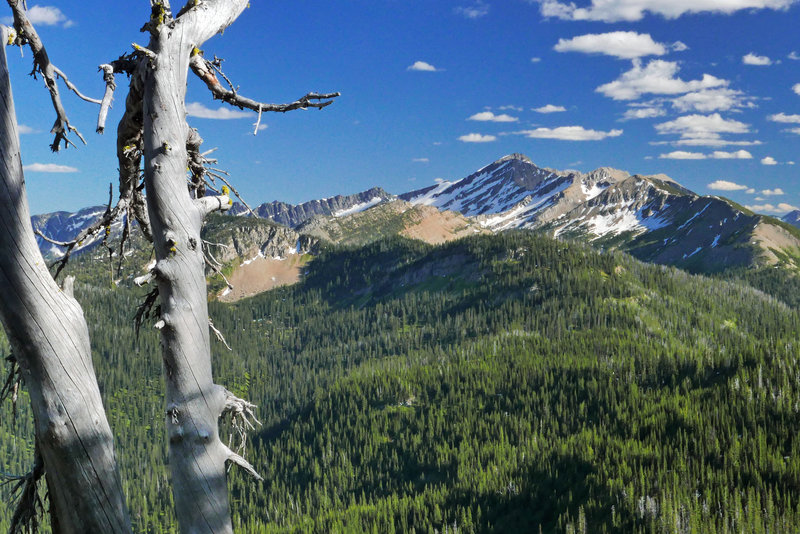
(505, 383)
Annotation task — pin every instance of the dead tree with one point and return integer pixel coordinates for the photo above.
(50, 342)
(154, 128)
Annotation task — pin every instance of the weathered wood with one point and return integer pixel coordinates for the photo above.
(194, 403)
(50, 340)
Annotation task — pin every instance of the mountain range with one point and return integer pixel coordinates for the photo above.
(653, 217)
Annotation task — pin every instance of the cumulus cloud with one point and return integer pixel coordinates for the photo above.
(783, 207)
(708, 100)
(549, 108)
(477, 10)
(623, 45)
(793, 130)
(725, 185)
(680, 154)
(44, 16)
(422, 66)
(713, 141)
(793, 56)
(48, 167)
(632, 10)
(796, 88)
(784, 118)
(657, 77)
(535, 59)
(477, 138)
(756, 60)
(569, 133)
(769, 160)
(200, 111)
(646, 112)
(717, 154)
(488, 116)
(772, 192)
(702, 130)
(23, 129)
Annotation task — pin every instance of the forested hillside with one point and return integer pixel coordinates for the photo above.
(502, 383)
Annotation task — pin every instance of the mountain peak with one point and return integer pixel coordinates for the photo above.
(515, 156)
(793, 217)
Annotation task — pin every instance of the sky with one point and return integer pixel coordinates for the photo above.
(705, 91)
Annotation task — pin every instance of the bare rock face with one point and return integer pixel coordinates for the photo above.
(294, 215)
(247, 238)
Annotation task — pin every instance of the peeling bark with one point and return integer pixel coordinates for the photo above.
(50, 339)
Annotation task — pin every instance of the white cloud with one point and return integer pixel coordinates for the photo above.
(488, 116)
(702, 130)
(796, 88)
(536, 59)
(658, 77)
(647, 112)
(44, 16)
(623, 45)
(769, 160)
(261, 127)
(725, 185)
(680, 154)
(758, 61)
(200, 111)
(569, 133)
(783, 207)
(708, 100)
(739, 154)
(793, 130)
(420, 160)
(48, 167)
(714, 141)
(477, 138)
(772, 192)
(510, 108)
(422, 66)
(678, 46)
(793, 56)
(750, 191)
(718, 154)
(632, 10)
(23, 129)
(784, 118)
(477, 10)
(549, 108)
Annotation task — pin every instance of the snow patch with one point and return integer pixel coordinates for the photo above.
(358, 207)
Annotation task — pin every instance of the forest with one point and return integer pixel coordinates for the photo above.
(502, 383)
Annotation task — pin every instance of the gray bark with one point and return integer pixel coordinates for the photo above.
(50, 340)
(197, 457)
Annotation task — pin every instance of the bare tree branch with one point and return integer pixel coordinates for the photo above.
(26, 34)
(108, 96)
(204, 70)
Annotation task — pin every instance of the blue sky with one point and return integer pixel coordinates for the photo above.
(706, 91)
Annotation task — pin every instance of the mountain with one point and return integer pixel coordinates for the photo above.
(391, 218)
(65, 226)
(652, 217)
(294, 215)
(793, 218)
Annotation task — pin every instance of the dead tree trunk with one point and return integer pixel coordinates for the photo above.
(197, 456)
(50, 340)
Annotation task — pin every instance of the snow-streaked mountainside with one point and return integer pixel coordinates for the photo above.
(64, 226)
(652, 217)
(793, 218)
